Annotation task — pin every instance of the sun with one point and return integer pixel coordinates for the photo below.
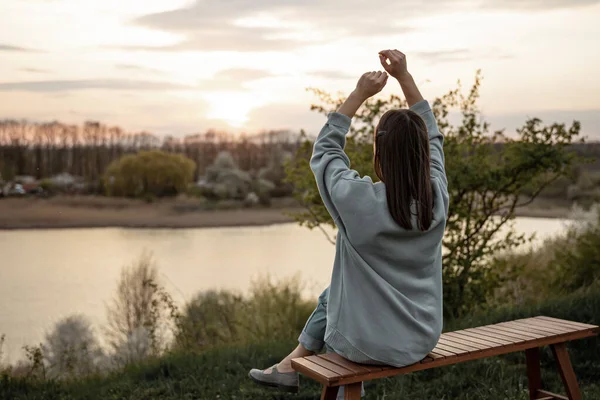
(232, 107)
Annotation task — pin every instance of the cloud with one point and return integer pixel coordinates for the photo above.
(139, 68)
(233, 40)
(332, 74)
(233, 79)
(535, 5)
(445, 55)
(7, 47)
(35, 70)
(270, 25)
(456, 55)
(108, 84)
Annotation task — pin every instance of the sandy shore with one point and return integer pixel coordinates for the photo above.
(97, 212)
(102, 212)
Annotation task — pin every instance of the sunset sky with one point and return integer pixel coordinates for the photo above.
(179, 67)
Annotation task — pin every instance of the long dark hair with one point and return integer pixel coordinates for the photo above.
(402, 163)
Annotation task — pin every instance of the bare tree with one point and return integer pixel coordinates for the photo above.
(139, 316)
(2, 339)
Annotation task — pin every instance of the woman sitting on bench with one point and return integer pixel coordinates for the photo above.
(384, 302)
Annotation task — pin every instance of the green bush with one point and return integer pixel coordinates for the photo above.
(48, 186)
(271, 309)
(577, 263)
(210, 319)
(560, 265)
(149, 174)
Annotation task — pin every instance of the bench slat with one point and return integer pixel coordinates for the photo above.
(306, 366)
(483, 343)
(522, 332)
(446, 341)
(512, 335)
(338, 369)
(560, 328)
(341, 361)
(484, 338)
(495, 335)
(449, 349)
(566, 322)
(543, 328)
(536, 329)
(443, 352)
(467, 341)
(532, 328)
(556, 325)
(432, 356)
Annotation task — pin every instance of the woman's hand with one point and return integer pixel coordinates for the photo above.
(397, 63)
(397, 68)
(370, 83)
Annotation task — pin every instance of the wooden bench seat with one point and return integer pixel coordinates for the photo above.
(526, 335)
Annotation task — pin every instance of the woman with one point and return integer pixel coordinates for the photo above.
(384, 303)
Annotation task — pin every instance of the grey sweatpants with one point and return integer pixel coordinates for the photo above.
(313, 335)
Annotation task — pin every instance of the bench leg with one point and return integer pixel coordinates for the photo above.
(561, 355)
(534, 376)
(352, 391)
(329, 392)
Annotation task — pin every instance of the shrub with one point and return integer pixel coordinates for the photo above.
(272, 309)
(224, 180)
(71, 349)
(276, 309)
(562, 264)
(577, 264)
(210, 319)
(149, 174)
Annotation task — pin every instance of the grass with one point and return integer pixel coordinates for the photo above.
(221, 372)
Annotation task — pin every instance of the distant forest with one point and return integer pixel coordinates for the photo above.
(44, 150)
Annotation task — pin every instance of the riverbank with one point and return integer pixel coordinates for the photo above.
(102, 212)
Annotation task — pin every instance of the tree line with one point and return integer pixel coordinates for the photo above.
(45, 149)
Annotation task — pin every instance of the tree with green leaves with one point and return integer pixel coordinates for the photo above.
(487, 173)
(149, 174)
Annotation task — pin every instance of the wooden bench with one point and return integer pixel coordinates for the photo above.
(527, 335)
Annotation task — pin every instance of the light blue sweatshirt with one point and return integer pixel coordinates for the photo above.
(385, 298)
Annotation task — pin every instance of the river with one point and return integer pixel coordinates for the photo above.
(49, 274)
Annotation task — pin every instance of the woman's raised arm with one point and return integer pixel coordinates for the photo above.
(394, 63)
